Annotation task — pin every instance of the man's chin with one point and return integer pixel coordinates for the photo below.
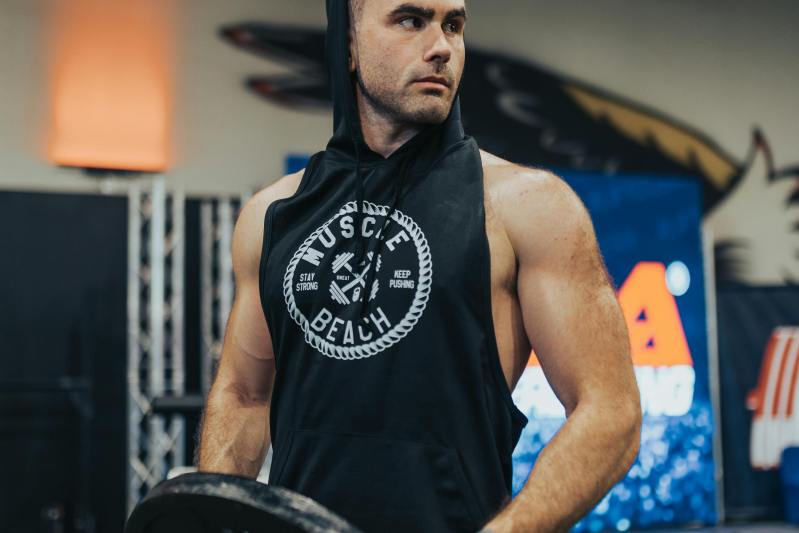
(429, 113)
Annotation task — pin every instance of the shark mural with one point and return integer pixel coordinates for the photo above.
(533, 116)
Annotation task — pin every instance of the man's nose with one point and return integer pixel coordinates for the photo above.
(440, 49)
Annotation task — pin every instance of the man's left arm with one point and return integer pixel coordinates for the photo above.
(575, 325)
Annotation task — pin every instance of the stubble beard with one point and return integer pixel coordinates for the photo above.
(400, 111)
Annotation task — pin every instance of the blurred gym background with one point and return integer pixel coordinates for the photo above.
(132, 131)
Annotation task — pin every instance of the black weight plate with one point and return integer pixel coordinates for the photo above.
(218, 503)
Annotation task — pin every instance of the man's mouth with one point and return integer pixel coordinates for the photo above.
(434, 81)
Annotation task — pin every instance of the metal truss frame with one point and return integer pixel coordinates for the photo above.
(156, 353)
(156, 249)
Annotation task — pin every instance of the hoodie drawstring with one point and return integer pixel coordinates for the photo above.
(359, 204)
(366, 301)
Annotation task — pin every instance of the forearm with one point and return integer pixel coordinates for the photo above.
(235, 434)
(592, 452)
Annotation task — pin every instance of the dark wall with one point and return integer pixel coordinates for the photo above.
(63, 285)
(192, 319)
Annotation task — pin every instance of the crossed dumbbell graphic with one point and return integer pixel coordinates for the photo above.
(339, 294)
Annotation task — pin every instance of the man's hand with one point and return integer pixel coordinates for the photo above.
(577, 330)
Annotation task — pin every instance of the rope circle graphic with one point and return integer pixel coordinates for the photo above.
(403, 327)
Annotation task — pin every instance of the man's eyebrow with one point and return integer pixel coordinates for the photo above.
(412, 9)
(460, 12)
(424, 12)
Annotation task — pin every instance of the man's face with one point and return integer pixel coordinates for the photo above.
(396, 44)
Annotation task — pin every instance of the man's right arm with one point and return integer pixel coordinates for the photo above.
(234, 435)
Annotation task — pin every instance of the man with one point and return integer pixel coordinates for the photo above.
(387, 299)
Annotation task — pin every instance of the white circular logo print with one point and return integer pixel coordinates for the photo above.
(324, 288)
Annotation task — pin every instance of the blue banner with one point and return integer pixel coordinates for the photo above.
(649, 233)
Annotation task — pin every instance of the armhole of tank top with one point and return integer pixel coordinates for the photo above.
(267, 240)
(497, 375)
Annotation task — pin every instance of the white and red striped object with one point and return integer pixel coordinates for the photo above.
(775, 401)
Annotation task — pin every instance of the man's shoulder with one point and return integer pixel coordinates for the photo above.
(282, 188)
(249, 231)
(250, 221)
(512, 185)
(536, 207)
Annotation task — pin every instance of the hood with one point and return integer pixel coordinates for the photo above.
(414, 158)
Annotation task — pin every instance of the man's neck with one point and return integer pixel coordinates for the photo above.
(382, 134)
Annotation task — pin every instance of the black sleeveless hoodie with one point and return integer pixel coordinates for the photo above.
(389, 405)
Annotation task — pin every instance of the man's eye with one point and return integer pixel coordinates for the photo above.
(452, 27)
(411, 23)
